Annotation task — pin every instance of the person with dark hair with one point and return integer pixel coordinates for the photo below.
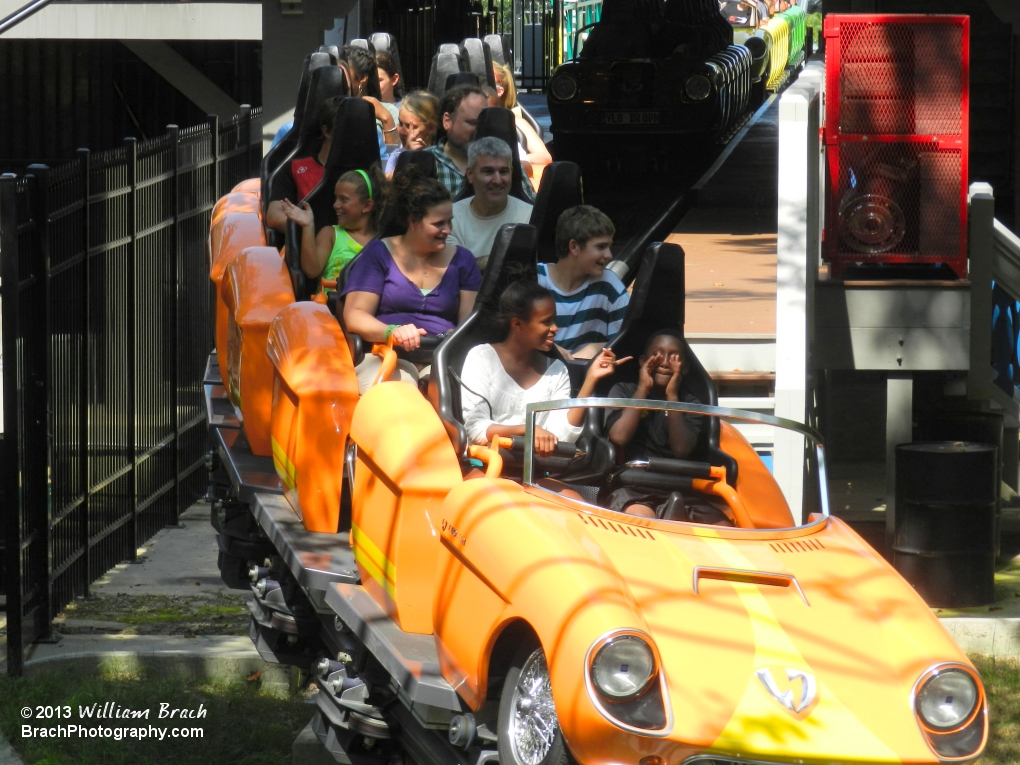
(390, 84)
(359, 195)
(414, 284)
(590, 300)
(458, 118)
(305, 172)
(640, 434)
(361, 65)
(500, 380)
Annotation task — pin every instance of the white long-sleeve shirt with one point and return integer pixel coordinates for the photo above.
(485, 380)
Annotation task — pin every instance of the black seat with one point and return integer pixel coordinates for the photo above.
(561, 188)
(499, 49)
(479, 59)
(625, 29)
(354, 146)
(384, 42)
(283, 152)
(333, 51)
(498, 122)
(511, 254)
(444, 63)
(460, 78)
(657, 302)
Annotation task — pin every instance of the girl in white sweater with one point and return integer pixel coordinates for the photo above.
(500, 380)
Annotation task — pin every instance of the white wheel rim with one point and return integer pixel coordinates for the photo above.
(533, 722)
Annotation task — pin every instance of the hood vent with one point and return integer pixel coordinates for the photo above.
(797, 545)
(619, 528)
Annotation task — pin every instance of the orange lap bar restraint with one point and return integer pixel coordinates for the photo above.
(315, 392)
(256, 287)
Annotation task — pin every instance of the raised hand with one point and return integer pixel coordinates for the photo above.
(675, 377)
(646, 375)
(301, 215)
(604, 364)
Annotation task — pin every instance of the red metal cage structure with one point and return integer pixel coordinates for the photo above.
(897, 138)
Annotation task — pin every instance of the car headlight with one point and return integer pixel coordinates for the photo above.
(623, 668)
(947, 699)
(698, 87)
(563, 87)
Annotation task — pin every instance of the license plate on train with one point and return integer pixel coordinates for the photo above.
(633, 118)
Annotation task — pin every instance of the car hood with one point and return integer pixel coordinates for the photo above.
(802, 643)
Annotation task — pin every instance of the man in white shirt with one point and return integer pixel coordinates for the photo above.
(477, 219)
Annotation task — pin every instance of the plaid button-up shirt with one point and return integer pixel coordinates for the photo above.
(447, 172)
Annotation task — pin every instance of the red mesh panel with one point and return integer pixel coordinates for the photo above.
(897, 137)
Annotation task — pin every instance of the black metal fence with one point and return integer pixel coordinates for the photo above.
(104, 287)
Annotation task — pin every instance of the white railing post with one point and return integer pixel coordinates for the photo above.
(796, 272)
(981, 222)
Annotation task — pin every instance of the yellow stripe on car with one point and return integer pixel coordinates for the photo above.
(374, 560)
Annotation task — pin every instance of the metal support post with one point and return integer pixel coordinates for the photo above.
(899, 429)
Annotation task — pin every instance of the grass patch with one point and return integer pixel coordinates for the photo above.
(1002, 682)
(244, 723)
(213, 614)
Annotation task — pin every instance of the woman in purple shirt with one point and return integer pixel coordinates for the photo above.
(414, 284)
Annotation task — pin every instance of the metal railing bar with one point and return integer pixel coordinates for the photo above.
(26, 11)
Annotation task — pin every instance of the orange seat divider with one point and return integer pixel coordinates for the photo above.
(315, 391)
(256, 287)
(406, 466)
(762, 497)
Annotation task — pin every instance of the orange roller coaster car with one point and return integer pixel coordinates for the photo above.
(627, 640)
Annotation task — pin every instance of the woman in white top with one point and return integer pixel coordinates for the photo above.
(500, 380)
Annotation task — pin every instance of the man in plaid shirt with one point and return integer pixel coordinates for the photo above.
(460, 108)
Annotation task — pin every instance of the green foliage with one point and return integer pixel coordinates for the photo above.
(1002, 683)
(244, 724)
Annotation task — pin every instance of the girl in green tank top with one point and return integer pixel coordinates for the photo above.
(358, 199)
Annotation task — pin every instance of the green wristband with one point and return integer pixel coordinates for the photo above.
(389, 331)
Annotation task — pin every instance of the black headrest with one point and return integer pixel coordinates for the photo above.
(285, 148)
(444, 64)
(460, 78)
(479, 59)
(425, 161)
(498, 122)
(561, 188)
(499, 49)
(512, 259)
(384, 42)
(624, 30)
(362, 43)
(333, 51)
(326, 82)
(355, 145)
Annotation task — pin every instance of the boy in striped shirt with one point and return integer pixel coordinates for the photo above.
(590, 301)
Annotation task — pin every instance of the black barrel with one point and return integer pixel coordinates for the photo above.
(977, 428)
(946, 495)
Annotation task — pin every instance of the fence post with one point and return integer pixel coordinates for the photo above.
(131, 144)
(246, 134)
(11, 458)
(174, 292)
(85, 165)
(214, 143)
(981, 222)
(39, 440)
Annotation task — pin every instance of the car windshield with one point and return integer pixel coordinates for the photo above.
(680, 461)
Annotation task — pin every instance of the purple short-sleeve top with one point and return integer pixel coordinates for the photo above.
(401, 300)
